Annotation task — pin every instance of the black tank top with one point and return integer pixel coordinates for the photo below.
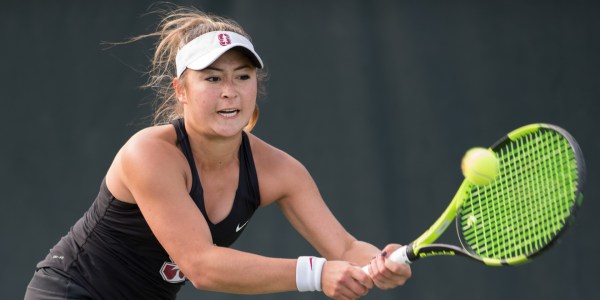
(112, 252)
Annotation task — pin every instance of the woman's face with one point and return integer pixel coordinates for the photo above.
(220, 99)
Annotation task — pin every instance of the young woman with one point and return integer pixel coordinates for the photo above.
(180, 192)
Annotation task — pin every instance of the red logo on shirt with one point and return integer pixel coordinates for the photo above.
(224, 39)
(310, 260)
(170, 273)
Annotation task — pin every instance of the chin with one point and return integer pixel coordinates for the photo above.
(228, 131)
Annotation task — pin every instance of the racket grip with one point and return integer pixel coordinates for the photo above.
(398, 256)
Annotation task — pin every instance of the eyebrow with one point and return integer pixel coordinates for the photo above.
(221, 70)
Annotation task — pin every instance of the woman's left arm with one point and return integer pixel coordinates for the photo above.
(302, 204)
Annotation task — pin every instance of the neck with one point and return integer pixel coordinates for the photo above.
(215, 153)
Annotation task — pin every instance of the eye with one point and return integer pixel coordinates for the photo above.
(212, 79)
(244, 77)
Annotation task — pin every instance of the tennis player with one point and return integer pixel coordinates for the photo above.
(179, 193)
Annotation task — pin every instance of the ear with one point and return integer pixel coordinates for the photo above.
(180, 93)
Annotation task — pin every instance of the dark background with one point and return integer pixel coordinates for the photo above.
(379, 99)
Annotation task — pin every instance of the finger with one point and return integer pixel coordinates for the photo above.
(382, 270)
(362, 278)
(387, 278)
(357, 288)
(347, 293)
(390, 248)
(400, 269)
(359, 283)
(346, 296)
(400, 272)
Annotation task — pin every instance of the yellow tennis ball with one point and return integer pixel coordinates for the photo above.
(480, 166)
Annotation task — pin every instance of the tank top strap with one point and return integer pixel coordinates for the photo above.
(184, 143)
(247, 163)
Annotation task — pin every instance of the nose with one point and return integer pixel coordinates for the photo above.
(229, 90)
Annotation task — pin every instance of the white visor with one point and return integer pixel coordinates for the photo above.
(205, 49)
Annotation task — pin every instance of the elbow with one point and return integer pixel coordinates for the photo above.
(199, 276)
(201, 270)
(199, 281)
(198, 284)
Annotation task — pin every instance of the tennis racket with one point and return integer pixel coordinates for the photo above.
(522, 212)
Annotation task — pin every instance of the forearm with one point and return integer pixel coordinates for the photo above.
(231, 271)
(360, 252)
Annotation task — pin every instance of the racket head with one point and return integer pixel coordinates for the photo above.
(531, 202)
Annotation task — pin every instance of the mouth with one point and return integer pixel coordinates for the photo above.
(228, 113)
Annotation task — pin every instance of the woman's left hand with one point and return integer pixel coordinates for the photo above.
(387, 274)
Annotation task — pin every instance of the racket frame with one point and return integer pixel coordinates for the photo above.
(423, 246)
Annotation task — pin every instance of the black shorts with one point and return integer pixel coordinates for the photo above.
(51, 284)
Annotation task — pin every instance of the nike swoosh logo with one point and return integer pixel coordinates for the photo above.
(238, 227)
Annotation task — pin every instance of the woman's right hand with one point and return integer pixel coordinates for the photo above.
(343, 280)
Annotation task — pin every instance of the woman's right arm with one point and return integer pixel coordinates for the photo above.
(154, 173)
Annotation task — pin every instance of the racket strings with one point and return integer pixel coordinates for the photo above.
(526, 206)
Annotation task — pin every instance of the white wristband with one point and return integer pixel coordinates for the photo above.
(308, 273)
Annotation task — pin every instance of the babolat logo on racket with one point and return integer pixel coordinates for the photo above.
(435, 253)
(170, 272)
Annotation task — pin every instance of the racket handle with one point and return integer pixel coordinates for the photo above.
(398, 256)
